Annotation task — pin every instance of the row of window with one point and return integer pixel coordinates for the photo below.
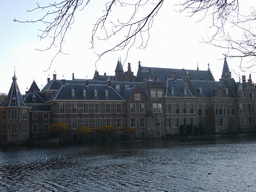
(156, 94)
(189, 108)
(35, 128)
(14, 129)
(15, 114)
(175, 123)
(97, 108)
(95, 123)
(133, 108)
(35, 115)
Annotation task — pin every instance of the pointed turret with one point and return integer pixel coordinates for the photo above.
(139, 73)
(15, 117)
(119, 71)
(119, 66)
(226, 72)
(14, 97)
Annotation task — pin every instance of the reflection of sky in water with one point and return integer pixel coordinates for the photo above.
(149, 166)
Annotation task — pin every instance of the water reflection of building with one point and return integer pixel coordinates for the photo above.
(156, 102)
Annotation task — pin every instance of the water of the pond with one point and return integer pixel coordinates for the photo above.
(226, 165)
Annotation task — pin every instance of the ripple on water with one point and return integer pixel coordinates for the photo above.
(141, 167)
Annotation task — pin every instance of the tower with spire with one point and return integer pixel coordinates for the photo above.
(14, 117)
(225, 71)
(119, 72)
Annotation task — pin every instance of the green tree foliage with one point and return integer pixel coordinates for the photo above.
(209, 122)
(107, 129)
(199, 130)
(129, 130)
(189, 129)
(232, 126)
(182, 130)
(84, 130)
(59, 128)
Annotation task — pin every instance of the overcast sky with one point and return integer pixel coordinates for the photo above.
(175, 42)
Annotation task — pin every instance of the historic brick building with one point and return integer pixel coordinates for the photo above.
(156, 102)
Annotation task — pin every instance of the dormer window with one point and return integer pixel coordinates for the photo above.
(118, 88)
(185, 91)
(226, 91)
(84, 93)
(106, 93)
(73, 93)
(14, 100)
(33, 98)
(200, 90)
(95, 93)
(172, 91)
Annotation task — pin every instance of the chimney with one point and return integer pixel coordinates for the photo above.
(63, 80)
(250, 79)
(86, 82)
(243, 79)
(129, 67)
(48, 78)
(54, 75)
(73, 76)
(105, 74)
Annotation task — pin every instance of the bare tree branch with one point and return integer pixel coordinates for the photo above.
(60, 16)
(57, 20)
(227, 20)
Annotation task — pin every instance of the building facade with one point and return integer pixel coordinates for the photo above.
(156, 102)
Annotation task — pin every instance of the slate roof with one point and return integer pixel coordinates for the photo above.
(123, 85)
(164, 73)
(42, 108)
(127, 93)
(231, 84)
(33, 88)
(209, 88)
(52, 85)
(65, 92)
(14, 97)
(33, 98)
(179, 88)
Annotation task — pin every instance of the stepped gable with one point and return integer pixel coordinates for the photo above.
(14, 97)
(162, 74)
(177, 88)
